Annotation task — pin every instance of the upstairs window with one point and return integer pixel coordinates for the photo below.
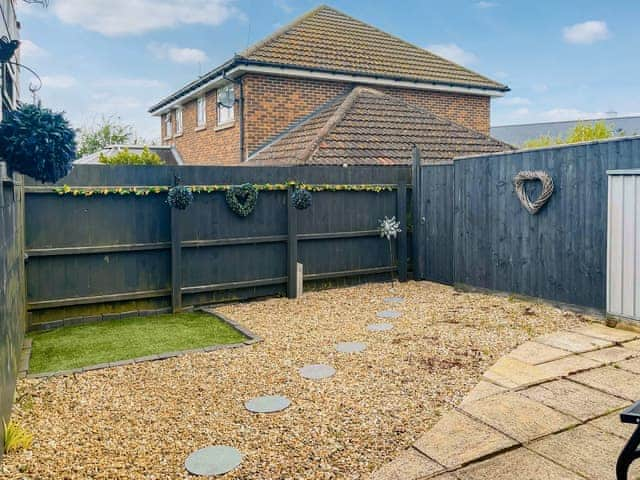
(168, 127)
(201, 112)
(226, 101)
(179, 121)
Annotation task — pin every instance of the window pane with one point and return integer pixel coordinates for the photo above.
(226, 100)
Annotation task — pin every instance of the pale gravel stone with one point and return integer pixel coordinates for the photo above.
(141, 421)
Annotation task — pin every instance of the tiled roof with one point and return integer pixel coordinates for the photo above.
(328, 39)
(367, 127)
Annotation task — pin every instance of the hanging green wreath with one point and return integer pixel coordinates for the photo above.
(179, 197)
(242, 199)
(301, 198)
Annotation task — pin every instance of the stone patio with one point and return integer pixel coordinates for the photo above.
(549, 409)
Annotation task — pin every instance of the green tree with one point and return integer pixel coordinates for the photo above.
(582, 132)
(125, 157)
(108, 131)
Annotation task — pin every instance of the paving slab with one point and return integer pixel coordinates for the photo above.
(611, 423)
(535, 353)
(574, 342)
(482, 390)
(632, 365)
(512, 373)
(632, 345)
(606, 333)
(567, 365)
(518, 416)
(410, 465)
(585, 450)
(458, 439)
(614, 381)
(611, 354)
(520, 464)
(574, 399)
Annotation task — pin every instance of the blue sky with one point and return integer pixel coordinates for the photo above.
(562, 59)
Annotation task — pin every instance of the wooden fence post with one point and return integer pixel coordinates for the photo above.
(176, 262)
(401, 206)
(417, 220)
(292, 247)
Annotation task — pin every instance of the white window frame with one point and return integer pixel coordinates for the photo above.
(179, 121)
(168, 126)
(201, 112)
(228, 116)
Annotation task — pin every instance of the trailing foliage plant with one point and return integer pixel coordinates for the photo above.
(37, 142)
(242, 199)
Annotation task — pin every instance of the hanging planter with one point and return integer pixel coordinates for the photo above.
(301, 198)
(242, 199)
(37, 142)
(180, 197)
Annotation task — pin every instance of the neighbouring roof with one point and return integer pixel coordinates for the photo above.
(168, 154)
(326, 40)
(367, 127)
(518, 134)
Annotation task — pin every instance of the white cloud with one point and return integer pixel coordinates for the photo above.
(514, 101)
(132, 17)
(164, 51)
(486, 4)
(29, 49)
(586, 33)
(562, 114)
(453, 52)
(58, 81)
(107, 103)
(283, 5)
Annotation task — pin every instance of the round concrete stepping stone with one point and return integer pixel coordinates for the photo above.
(379, 327)
(317, 372)
(214, 460)
(351, 347)
(394, 300)
(267, 404)
(388, 314)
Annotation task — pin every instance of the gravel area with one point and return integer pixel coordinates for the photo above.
(141, 421)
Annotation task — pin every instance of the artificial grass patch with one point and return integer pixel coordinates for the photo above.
(80, 346)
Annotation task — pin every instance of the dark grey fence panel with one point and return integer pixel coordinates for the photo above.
(558, 254)
(12, 304)
(437, 228)
(99, 255)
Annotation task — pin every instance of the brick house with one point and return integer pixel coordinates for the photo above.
(233, 112)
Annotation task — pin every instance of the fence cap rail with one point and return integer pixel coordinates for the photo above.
(632, 171)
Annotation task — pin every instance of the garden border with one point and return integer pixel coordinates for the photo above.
(252, 338)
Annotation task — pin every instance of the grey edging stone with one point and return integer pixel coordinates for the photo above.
(251, 339)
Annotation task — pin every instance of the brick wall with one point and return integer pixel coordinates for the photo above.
(211, 145)
(273, 103)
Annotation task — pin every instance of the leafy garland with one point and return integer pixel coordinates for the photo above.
(144, 191)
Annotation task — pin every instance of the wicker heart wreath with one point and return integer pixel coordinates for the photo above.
(547, 189)
(242, 199)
